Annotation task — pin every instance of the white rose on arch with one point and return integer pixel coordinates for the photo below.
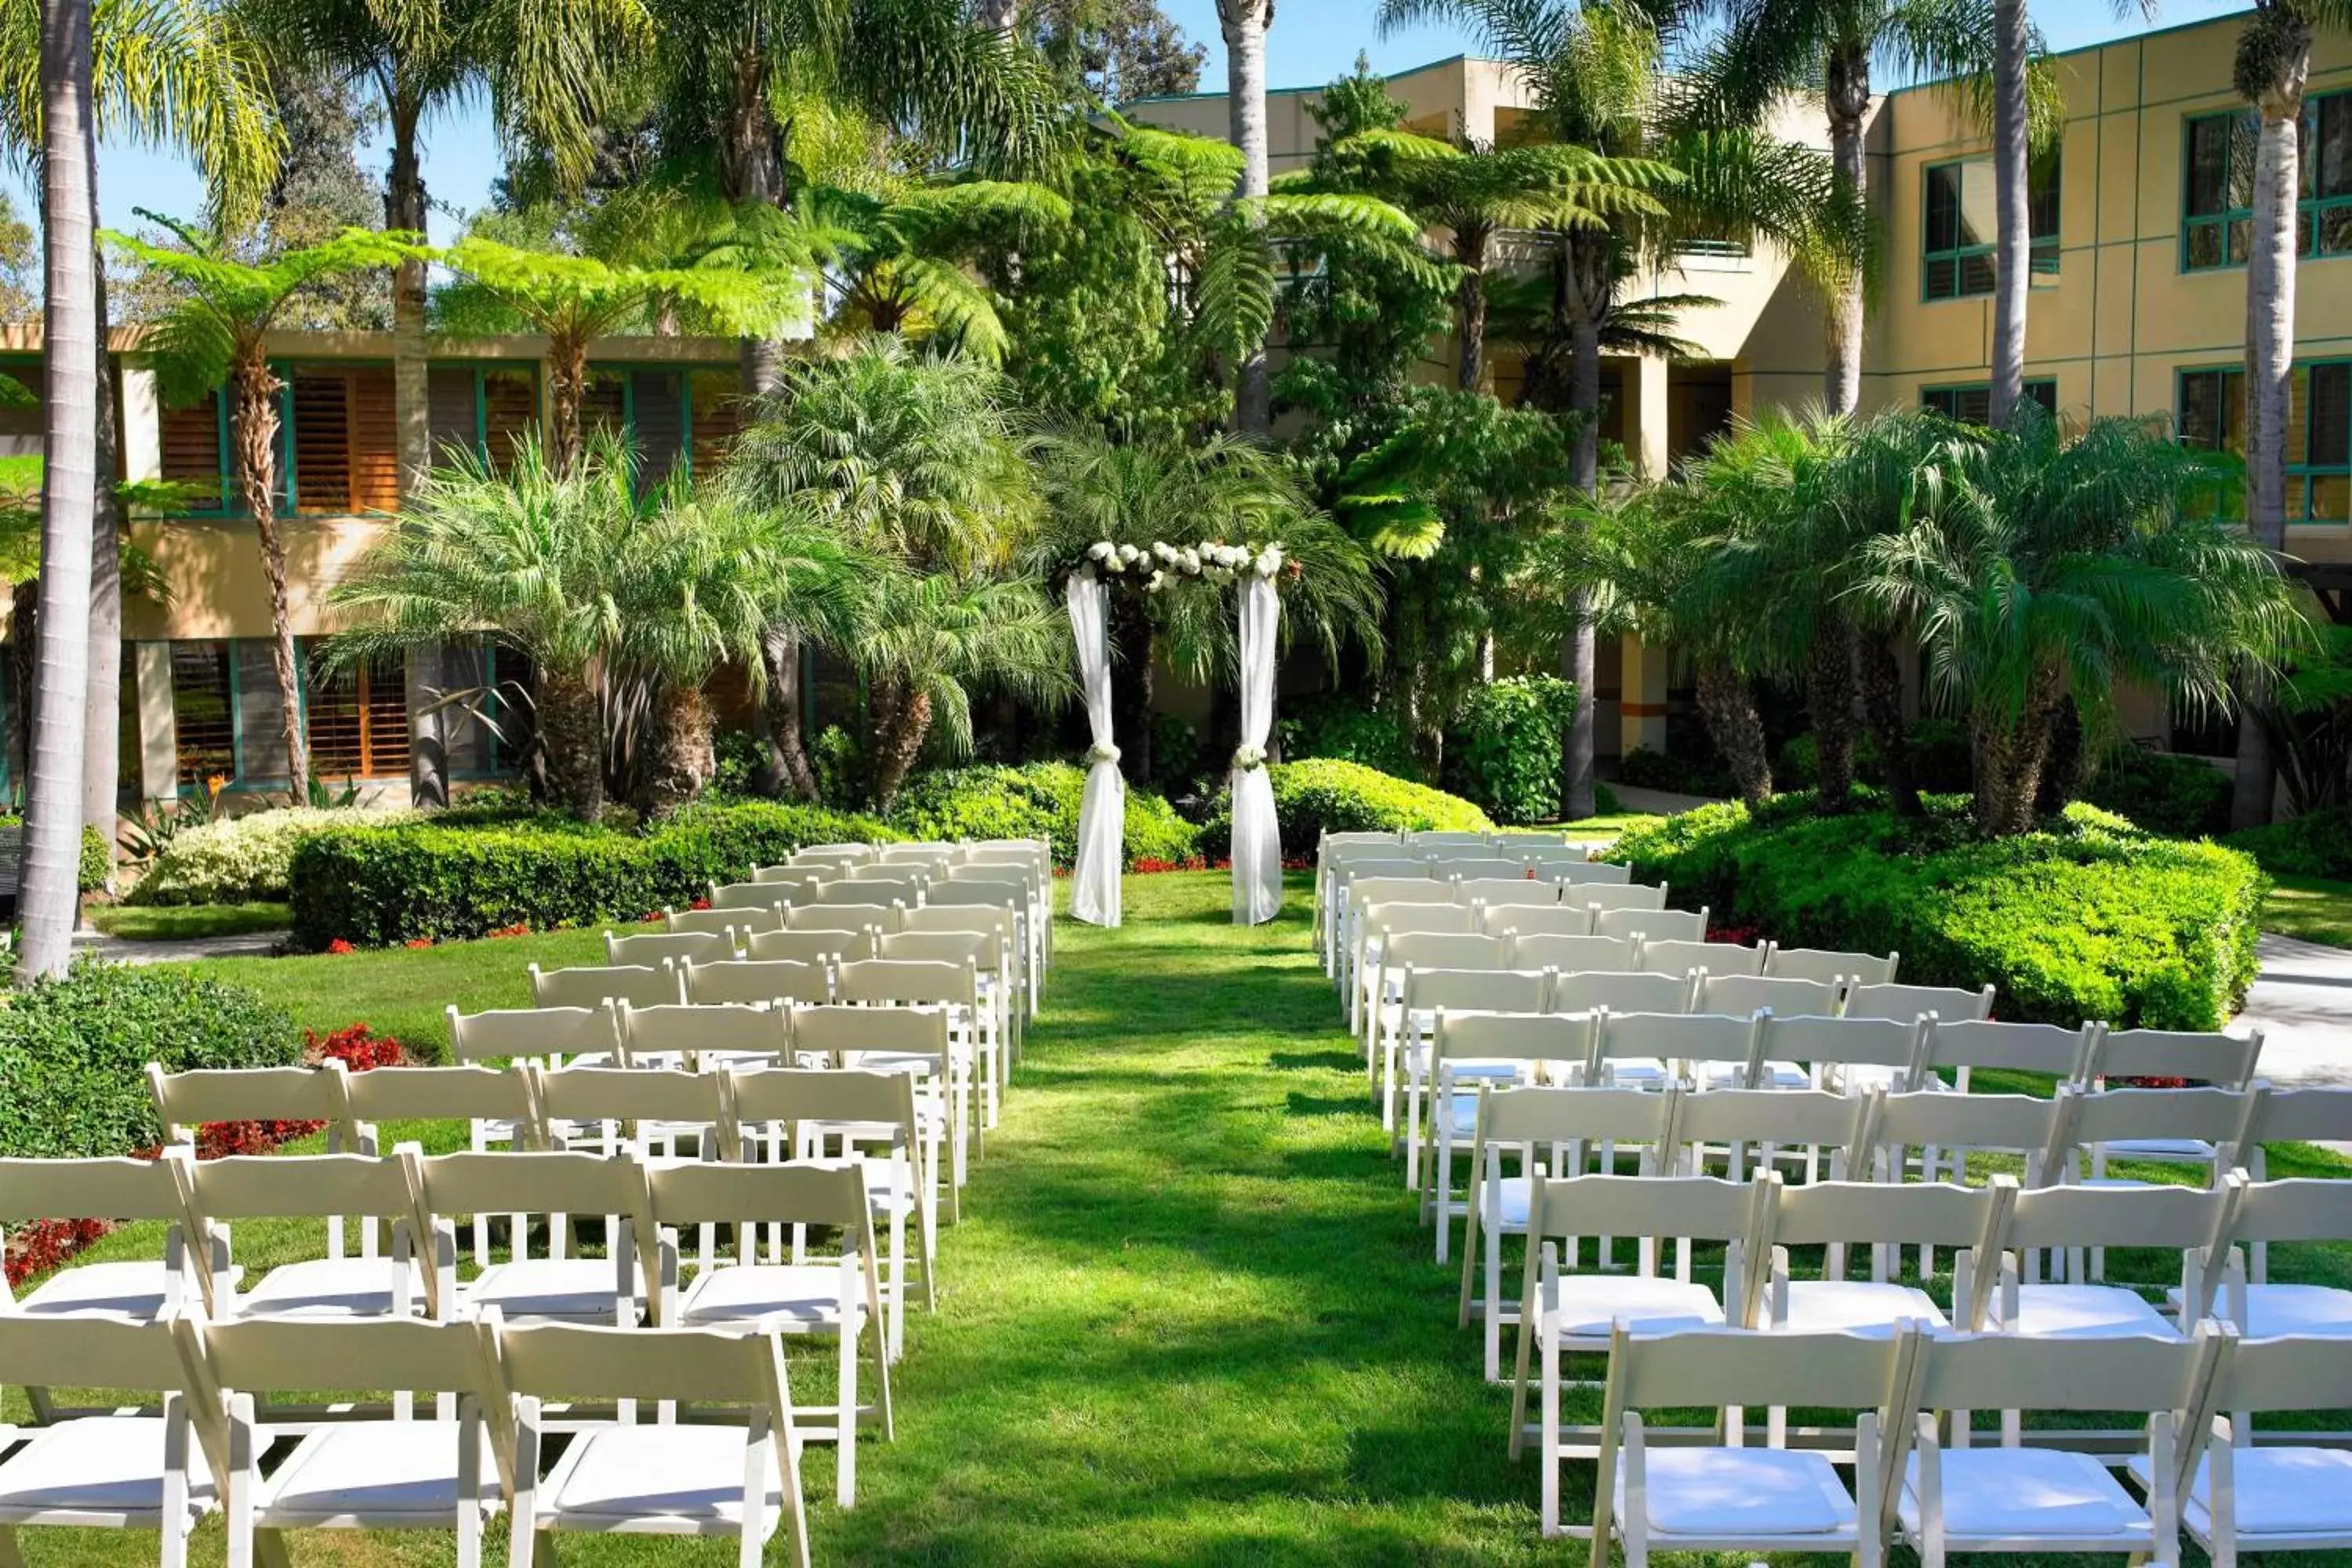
(1101, 551)
(1106, 752)
(1248, 759)
(1269, 561)
(1128, 554)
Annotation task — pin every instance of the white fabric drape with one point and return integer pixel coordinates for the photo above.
(1257, 837)
(1102, 810)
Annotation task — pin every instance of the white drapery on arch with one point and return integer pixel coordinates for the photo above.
(1102, 810)
(1258, 836)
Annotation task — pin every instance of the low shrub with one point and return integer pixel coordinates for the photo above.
(2316, 843)
(1322, 795)
(95, 869)
(240, 860)
(2090, 918)
(376, 886)
(1035, 800)
(1341, 729)
(1503, 751)
(73, 1052)
(2162, 793)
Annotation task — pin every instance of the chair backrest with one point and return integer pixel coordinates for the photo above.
(1478, 1036)
(1675, 1037)
(2205, 1115)
(587, 986)
(842, 1031)
(1664, 925)
(2306, 1116)
(1023, 877)
(1528, 839)
(261, 1355)
(91, 1188)
(185, 1100)
(1789, 1117)
(1895, 1043)
(833, 855)
(791, 883)
(1827, 963)
(1446, 949)
(650, 949)
(1616, 895)
(543, 1034)
(1477, 869)
(543, 1182)
(1679, 957)
(1492, 891)
(567, 1361)
(1537, 920)
(692, 1031)
(2291, 1372)
(818, 947)
(982, 952)
(1334, 837)
(2225, 1061)
(1380, 861)
(1939, 1214)
(1568, 1115)
(2022, 1123)
(905, 892)
(1815, 1369)
(994, 923)
(275, 1187)
(631, 1095)
(1383, 923)
(1703, 1209)
(1492, 990)
(1744, 995)
(1366, 893)
(1907, 1002)
(777, 981)
(65, 1351)
(906, 982)
(728, 923)
(2299, 1208)
(2020, 1371)
(1580, 873)
(989, 895)
(826, 1094)
(2045, 1048)
(796, 1192)
(754, 895)
(884, 918)
(1571, 954)
(1431, 838)
(1620, 992)
(933, 857)
(446, 1094)
(2158, 1215)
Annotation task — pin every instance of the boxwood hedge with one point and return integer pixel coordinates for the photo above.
(2316, 843)
(1324, 794)
(2090, 918)
(1039, 800)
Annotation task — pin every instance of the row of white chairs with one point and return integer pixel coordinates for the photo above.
(962, 870)
(732, 1471)
(1550, 855)
(1571, 912)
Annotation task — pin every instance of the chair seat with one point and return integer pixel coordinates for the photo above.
(1635, 1072)
(774, 1296)
(2158, 1149)
(1514, 1197)
(2005, 1493)
(2081, 1312)
(2272, 1310)
(1740, 1493)
(1859, 1306)
(2280, 1492)
(1416, 1066)
(1774, 1075)
(97, 1465)
(134, 1290)
(552, 1290)
(370, 1473)
(1584, 1306)
(653, 1478)
(324, 1287)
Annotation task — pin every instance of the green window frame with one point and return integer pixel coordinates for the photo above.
(1956, 261)
(2210, 408)
(1970, 402)
(2216, 183)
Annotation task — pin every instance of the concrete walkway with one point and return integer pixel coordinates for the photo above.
(2302, 1003)
(1660, 802)
(118, 950)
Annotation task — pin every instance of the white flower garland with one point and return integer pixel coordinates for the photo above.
(1248, 759)
(1216, 565)
(1106, 752)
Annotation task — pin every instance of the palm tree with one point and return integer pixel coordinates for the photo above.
(52, 855)
(938, 636)
(219, 334)
(2041, 566)
(1244, 24)
(550, 69)
(2274, 62)
(575, 299)
(897, 263)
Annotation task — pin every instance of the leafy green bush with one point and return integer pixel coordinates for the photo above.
(1344, 730)
(73, 1051)
(2316, 843)
(239, 859)
(1323, 795)
(2090, 918)
(96, 865)
(375, 886)
(1505, 750)
(2162, 793)
(1037, 800)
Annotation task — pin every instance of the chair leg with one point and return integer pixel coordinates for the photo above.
(1551, 1405)
(845, 1486)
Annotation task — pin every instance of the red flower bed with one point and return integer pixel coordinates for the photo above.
(1743, 936)
(521, 928)
(340, 945)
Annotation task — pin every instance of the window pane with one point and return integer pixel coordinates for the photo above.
(2331, 155)
(1943, 208)
(384, 705)
(2245, 135)
(322, 441)
(2042, 182)
(510, 411)
(1943, 279)
(465, 739)
(2330, 417)
(1978, 203)
(718, 418)
(2240, 241)
(191, 449)
(1976, 274)
(660, 432)
(2045, 258)
(332, 717)
(1937, 400)
(1972, 404)
(2204, 245)
(204, 730)
(2046, 393)
(260, 716)
(2303, 231)
(2331, 498)
(2208, 164)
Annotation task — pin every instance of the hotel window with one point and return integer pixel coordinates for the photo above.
(1973, 405)
(1957, 261)
(203, 713)
(488, 734)
(485, 409)
(2212, 414)
(674, 419)
(2218, 184)
(337, 445)
(356, 716)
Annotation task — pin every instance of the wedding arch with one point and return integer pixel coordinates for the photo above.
(1255, 572)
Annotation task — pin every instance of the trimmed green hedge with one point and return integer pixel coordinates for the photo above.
(1504, 754)
(242, 859)
(1038, 800)
(73, 1053)
(376, 886)
(1324, 794)
(2089, 918)
(2162, 793)
(2316, 843)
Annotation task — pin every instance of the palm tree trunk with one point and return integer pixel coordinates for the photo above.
(1847, 93)
(48, 897)
(2013, 239)
(897, 744)
(781, 713)
(254, 433)
(1881, 679)
(2009, 750)
(101, 747)
(405, 209)
(1829, 701)
(1245, 22)
(1470, 250)
(1728, 702)
(1578, 660)
(2270, 348)
(750, 169)
(567, 389)
(680, 757)
(571, 732)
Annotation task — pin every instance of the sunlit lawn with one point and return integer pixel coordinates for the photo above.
(2311, 909)
(182, 922)
(1188, 1317)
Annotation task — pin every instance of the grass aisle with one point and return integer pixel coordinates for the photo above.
(1189, 1318)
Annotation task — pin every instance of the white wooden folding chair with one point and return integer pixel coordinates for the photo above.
(184, 1102)
(1773, 1123)
(2195, 1225)
(1405, 1045)
(732, 924)
(1826, 963)
(1514, 839)
(837, 1298)
(1676, 956)
(1373, 905)
(1961, 1046)
(1035, 890)
(992, 895)
(905, 888)
(1649, 1051)
(2296, 1116)
(1647, 924)
(505, 1098)
(838, 855)
(1573, 955)
(674, 1479)
(754, 895)
(1848, 1055)
(2171, 1121)
(1470, 1050)
(1607, 897)
(592, 985)
(1878, 1217)
(654, 1113)
(2046, 1501)
(991, 966)
(1552, 1131)
(1536, 920)
(791, 884)
(2300, 1209)
(1733, 1497)
(702, 1036)
(2279, 1496)
(1948, 1003)
(1492, 893)
(119, 1470)
(445, 1472)
(543, 1193)
(1619, 991)
(341, 1285)
(1444, 838)
(1335, 866)
(1479, 868)
(883, 919)
(653, 949)
(1579, 872)
(139, 1290)
(912, 1041)
(2218, 1060)
(1420, 947)
(933, 859)
(1743, 995)
(824, 948)
(541, 1038)
(952, 988)
(1003, 928)
(1375, 926)
(781, 983)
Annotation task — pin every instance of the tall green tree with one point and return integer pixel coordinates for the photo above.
(1244, 24)
(218, 335)
(898, 263)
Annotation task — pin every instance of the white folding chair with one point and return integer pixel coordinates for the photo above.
(1492, 893)
(1649, 1051)
(1425, 949)
(1406, 1043)
(1850, 1055)
(782, 983)
(543, 1192)
(703, 1035)
(1034, 889)
(837, 854)
(904, 889)
(791, 884)
(823, 948)
(1528, 839)
(654, 1113)
(912, 1041)
(884, 918)
(1588, 991)
(1644, 925)
(540, 1038)
(2195, 1223)
(1826, 963)
(663, 1478)
(1368, 902)
(1678, 956)
(136, 1290)
(994, 895)
(1473, 1048)
(2279, 1496)
(504, 1098)
(184, 1102)
(769, 896)
(1607, 897)
(1536, 920)
(1774, 1122)
(1003, 928)
(316, 1186)
(591, 985)
(1573, 954)
(1458, 869)
(1880, 1217)
(1375, 926)
(730, 923)
(1440, 838)
(992, 965)
(653, 949)
(2220, 1061)
(952, 988)
(1584, 873)
(2300, 1209)
(2170, 1121)
(1909, 1001)
(1744, 996)
(2296, 1116)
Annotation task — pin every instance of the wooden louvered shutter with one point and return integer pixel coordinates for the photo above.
(718, 418)
(658, 428)
(192, 448)
(323, 444)
(603, 406)
(203, 727)
(510, 412)
(449, 410)
(330, 716)
(376, 440)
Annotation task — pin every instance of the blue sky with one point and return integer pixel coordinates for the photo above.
(1312, 41)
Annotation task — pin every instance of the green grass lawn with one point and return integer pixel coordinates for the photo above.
(1188, 1317)
(2311, 909)
(183, 922)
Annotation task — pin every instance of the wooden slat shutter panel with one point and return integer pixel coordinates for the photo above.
(384, 705)
(260, 721)
(376, 440)
(510, 410)
(322, 450)
(205, 733)
(718, 418)
(449, 410)
(330, 716)
(659, 436)
(192, 448)
(604, 402)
